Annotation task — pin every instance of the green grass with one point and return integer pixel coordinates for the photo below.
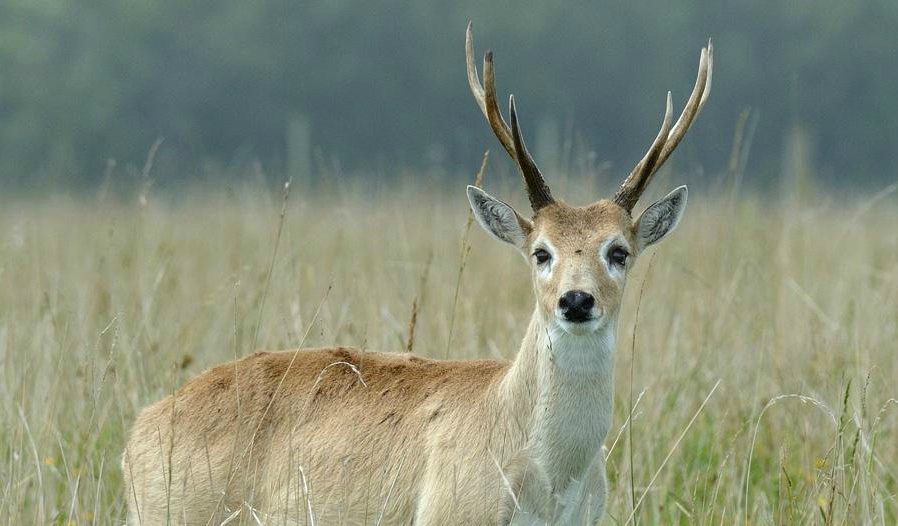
(793, 308)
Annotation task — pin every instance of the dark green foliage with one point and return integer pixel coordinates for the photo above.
(382, 84)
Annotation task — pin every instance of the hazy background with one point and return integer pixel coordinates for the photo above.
(378, 88)
(755, 378)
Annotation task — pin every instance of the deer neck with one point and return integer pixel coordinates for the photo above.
(559, 391)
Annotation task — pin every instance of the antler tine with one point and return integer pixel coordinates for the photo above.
(485, 96)
(537, 190)
(635, 184)
(693, 106)
(668, 140)
(707, 90)
(493, 115)
(473, 77)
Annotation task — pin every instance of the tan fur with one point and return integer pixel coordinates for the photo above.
(571, 229)
(360, 437)
(352, 433)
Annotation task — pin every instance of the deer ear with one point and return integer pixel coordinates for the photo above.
(497, 218)
(660, 218)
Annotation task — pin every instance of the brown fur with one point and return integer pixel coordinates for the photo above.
(248, 428)
(340, 435)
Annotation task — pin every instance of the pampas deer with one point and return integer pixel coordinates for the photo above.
(342, 436)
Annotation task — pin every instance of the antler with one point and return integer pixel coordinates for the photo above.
(511, 139)
(668, 138)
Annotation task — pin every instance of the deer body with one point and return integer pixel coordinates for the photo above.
(362, 437)
(343, 436)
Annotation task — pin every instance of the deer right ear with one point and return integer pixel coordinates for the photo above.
(497, 218)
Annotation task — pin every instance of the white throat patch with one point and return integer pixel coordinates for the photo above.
(582, 354)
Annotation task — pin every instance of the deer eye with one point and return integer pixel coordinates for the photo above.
(618, 256)
(542, 257)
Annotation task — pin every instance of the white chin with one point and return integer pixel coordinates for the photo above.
(580, 328)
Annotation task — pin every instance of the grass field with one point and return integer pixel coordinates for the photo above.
(789, 309)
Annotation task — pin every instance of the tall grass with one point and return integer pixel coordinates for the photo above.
(792, 308)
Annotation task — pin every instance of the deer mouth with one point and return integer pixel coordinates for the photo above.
(579, 317)
(580, 326)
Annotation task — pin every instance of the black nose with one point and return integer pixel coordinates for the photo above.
(576, 305)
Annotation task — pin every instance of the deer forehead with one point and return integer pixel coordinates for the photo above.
(570, 229)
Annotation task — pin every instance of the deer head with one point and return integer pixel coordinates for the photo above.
(580, 256)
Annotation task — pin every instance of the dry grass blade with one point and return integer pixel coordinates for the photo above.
(773, 401)
(412, 322)
(465, 248)
(274, 253)
(671, 452)
(151, 158)
(631, 405)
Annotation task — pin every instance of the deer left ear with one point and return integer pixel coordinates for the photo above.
(660, 218)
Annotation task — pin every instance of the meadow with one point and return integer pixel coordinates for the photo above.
(760, 388)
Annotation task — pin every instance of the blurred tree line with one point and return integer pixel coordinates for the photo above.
(381, 85)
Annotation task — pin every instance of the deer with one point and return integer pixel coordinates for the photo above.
(345, 436)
